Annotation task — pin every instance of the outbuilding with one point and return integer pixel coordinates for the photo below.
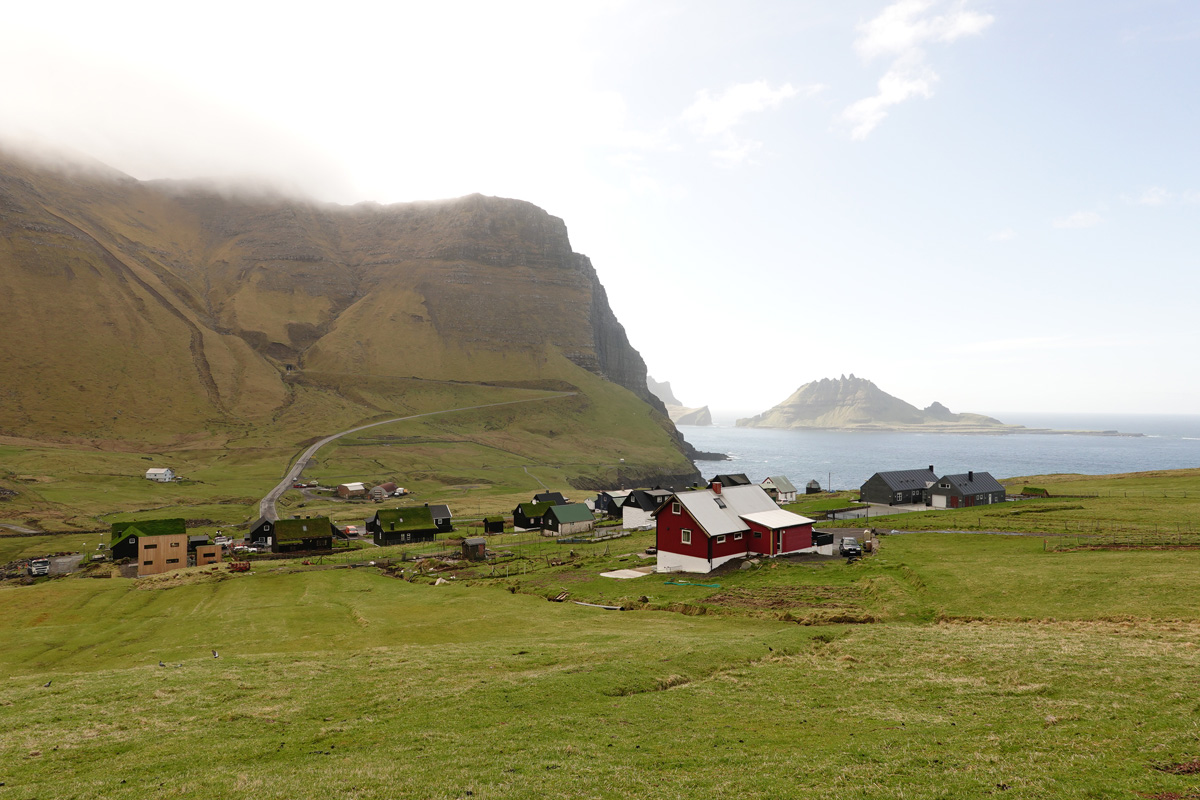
(474, 548)
(160, 474)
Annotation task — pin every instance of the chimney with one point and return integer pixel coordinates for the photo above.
(716, 487)
(970, 475)
(931, 467)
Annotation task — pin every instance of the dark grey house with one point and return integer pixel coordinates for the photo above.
(900, 487)
(963, 491)
(734, 479)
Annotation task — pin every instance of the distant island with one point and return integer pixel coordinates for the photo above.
(677, 411)
(850, 403)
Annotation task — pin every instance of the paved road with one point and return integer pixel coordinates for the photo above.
(266, 508)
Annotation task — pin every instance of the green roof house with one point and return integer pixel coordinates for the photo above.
(569, 519)
(125, 535)
(402, 525)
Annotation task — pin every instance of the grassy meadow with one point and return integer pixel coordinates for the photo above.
(980, 665)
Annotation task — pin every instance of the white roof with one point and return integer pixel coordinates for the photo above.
(355, 487)
(158, 470)
(776, 519)
(722, 513)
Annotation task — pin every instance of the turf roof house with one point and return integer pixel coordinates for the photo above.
(156, 545)
(530, 516)
(569, 519)
(294, 535)
(413, 524)
(900, 487)
(963, 491)
(698, 531)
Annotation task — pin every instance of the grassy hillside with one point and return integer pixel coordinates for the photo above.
(162, 318)
(994, 669)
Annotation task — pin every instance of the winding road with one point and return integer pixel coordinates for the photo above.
(266, 508)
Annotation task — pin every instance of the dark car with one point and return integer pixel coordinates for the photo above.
(850, 548)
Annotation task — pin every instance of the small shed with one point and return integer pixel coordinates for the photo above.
(351, 490)
(493, 524)
(813, 487)
(474, 548)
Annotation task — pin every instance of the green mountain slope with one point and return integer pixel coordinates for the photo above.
(167, 313)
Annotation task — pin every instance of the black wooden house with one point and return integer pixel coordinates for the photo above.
(901, 487)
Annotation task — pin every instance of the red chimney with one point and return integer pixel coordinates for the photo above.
(716, 487)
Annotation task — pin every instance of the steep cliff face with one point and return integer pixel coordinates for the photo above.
(858, 403)
(175, 307)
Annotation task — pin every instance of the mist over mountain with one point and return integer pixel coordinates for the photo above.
(154, 310)
(679, 413)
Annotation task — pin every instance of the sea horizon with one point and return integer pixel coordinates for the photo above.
(847, 458)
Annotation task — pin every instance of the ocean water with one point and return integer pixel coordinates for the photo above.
(844, 460)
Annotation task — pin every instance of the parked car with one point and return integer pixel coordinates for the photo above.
(850, 548)
(350, 530)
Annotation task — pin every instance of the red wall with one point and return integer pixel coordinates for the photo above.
(667, 533)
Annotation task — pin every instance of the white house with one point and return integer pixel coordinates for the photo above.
(780, 488)
(160, 474)
(638, 507)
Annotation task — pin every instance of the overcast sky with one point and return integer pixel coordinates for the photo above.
(990, 204)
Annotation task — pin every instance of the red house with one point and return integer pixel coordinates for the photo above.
(698, 531)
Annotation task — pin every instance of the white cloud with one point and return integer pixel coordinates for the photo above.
(1005, 235)
(900, 31)
(1080, 219)
(712, 116)
(1033, 344)
(717, 117)
(1154, 196)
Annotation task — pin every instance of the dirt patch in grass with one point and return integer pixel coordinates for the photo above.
(780, 598)
(1184, 768)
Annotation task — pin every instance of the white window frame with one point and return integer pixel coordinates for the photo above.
(721, 539)
(676, 508)
(685, 536)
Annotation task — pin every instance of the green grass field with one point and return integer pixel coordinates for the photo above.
(992, 668)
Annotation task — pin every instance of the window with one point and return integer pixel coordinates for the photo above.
(150, 546)
(685, 536)
(720, 502)
(675, 508)
(147, 563)
(172, 560)
(721, 539)
(737, 536)
(174, 544)
(944, 485)
(899, 496)
(758, 534)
